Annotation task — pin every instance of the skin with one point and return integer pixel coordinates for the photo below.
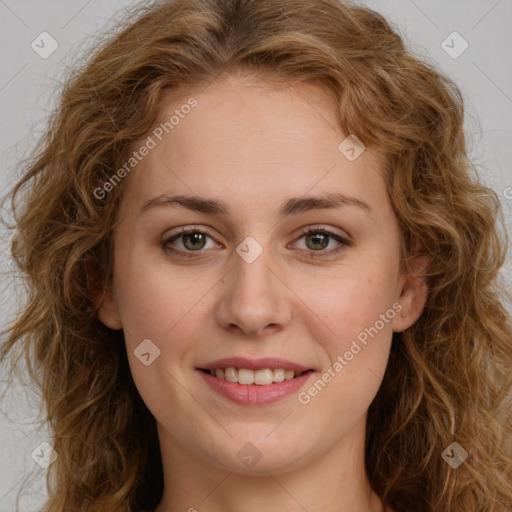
(254, 145)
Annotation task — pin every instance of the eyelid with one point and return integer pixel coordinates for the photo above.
(326, 229)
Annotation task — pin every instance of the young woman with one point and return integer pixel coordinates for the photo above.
(262, 273)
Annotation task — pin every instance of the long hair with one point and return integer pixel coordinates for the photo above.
(448, 374)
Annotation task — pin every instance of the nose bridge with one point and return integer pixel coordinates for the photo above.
(254, 297)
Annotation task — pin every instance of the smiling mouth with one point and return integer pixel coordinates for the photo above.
(262, 377)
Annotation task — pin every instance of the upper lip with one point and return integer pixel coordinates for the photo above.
(255, 364)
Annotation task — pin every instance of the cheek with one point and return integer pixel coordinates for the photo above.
(156, 305)
(154, 297)
(353, 299)
(355, 316)
(166, 305)
(356, 355)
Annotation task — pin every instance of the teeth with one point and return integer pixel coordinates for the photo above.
(245, 376)
(231, 375)
(279, 374)
(260, 377)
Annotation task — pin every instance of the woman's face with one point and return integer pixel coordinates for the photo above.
(258, 165)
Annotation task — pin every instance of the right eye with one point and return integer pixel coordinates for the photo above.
(192, 240)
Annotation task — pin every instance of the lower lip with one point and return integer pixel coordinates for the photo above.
(254, 394)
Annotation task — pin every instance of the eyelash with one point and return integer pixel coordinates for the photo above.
(308, 231)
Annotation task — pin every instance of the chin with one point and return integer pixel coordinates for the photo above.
(258, 456)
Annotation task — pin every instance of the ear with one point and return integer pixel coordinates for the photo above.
(108, 310)
(412, 291)
(104, 299)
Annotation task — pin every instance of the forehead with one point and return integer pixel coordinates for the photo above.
(248, 138)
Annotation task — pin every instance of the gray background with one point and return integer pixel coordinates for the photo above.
(28, 89)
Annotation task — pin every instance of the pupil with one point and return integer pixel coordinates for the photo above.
(319, 239)
(196, 239)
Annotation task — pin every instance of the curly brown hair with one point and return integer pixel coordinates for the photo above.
(449, 375)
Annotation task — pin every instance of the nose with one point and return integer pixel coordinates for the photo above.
(255, 300)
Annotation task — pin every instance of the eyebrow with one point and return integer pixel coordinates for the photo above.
(292, 206)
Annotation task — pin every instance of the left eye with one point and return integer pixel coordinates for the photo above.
(318, 239)
(194, 240)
